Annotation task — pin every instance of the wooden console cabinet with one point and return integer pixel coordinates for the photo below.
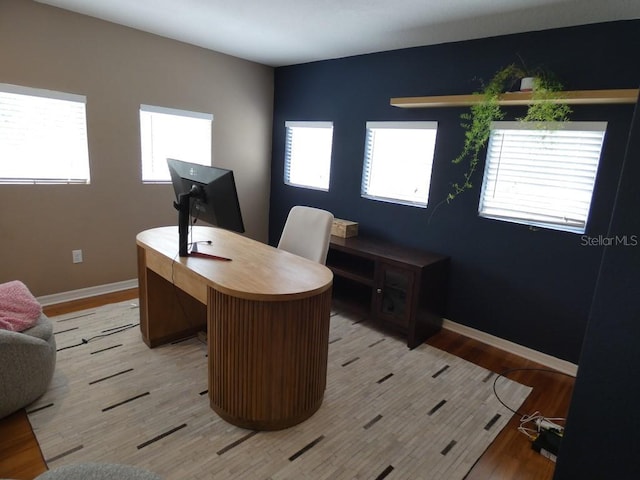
(398, 288)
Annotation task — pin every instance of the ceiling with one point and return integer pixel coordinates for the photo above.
(285, 32)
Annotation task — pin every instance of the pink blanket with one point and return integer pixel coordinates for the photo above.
(19, 309)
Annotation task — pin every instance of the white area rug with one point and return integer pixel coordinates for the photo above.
(388, 412)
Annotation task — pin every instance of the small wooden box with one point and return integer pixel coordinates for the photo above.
(344, 228)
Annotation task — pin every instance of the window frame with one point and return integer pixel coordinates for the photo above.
(368, 166)
(72, 155)
(290, 125)
(534, 161)
(144, 147)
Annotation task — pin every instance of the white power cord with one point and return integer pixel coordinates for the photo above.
(532, 425)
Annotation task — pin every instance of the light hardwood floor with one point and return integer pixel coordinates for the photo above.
(510, 457)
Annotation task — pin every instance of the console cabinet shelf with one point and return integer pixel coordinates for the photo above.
(400, 289)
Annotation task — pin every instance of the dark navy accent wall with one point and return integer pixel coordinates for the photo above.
(533, 288)
(601, 436)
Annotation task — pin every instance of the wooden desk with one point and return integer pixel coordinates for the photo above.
(266, 313)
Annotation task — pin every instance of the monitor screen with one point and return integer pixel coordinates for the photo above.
(204, 193)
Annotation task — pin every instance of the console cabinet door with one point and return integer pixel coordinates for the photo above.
(394, 295)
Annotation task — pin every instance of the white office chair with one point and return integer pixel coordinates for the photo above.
(307, 233)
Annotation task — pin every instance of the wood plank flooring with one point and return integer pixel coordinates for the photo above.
(510, 457)
(20, 456)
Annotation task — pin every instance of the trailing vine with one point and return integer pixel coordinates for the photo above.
(477, 122)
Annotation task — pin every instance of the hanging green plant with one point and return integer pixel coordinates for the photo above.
(544, 107)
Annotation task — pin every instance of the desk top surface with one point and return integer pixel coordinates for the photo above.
(256, 270)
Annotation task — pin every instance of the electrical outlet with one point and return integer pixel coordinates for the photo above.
(77, 256)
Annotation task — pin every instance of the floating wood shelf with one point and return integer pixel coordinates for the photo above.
(578, 97)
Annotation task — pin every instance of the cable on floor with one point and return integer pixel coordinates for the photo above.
(533, 424)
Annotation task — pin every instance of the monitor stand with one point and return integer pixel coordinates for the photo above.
(183, 205)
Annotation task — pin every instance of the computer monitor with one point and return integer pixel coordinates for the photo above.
(204, 193)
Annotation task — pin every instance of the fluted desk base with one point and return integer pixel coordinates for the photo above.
(267, 360)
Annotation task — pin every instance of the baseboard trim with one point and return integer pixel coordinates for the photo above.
(82, 293)
(511, 347)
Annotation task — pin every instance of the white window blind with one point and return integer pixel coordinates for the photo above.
(398, 161)
(172, 133)
(542, 176)
(308, 154)
(43, 136)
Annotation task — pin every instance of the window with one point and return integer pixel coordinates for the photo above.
(398, 161)
(43, 136)
(307, 159)
(170, 133)
(543, 176)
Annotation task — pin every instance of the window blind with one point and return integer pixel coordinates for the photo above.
(43, 136)
(542, 176)
(172, 133)
(398, 162)
(308, 148)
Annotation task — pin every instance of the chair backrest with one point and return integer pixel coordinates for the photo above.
(307, 233)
